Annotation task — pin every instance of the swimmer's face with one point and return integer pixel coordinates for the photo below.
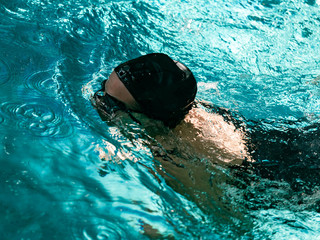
(115, 88)
(113, 99)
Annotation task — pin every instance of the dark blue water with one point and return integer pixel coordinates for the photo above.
(65, 174)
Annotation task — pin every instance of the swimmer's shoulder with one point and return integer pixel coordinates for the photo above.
(228, 115)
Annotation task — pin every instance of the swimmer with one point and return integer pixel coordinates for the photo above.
(156, 87)
(188, 140)
(159, 94)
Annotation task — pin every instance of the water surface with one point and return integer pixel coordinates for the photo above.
(260, 59)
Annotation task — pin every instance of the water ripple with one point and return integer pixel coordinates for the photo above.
(98, 228)
(4, 72)
(38, 119)
(42, 82)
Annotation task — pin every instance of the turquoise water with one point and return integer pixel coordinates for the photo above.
(259, 59)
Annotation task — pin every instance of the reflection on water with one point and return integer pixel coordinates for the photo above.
(68, 175)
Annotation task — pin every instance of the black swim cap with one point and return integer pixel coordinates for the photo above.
(165, 89)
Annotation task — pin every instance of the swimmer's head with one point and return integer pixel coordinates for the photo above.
(155, 85)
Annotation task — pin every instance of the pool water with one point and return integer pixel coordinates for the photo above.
(66, 174)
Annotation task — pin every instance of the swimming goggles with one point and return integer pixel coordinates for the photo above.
(109, 105)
